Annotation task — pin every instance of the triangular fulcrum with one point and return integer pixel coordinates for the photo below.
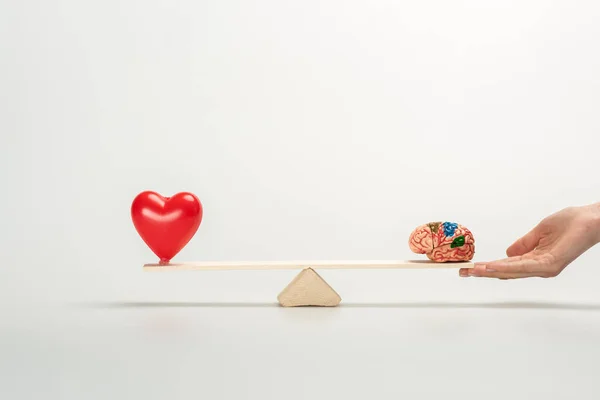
(308, 289)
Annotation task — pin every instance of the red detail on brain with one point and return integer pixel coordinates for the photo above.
(431, 240)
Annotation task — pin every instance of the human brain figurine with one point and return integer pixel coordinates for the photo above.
(443, 242)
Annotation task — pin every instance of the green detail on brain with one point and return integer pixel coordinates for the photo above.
(458, 242)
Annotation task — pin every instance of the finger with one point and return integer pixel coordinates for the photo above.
(482, 266)
(524, 244)
(505, 276)
(511, 265)
(485, 272)
(467, 272)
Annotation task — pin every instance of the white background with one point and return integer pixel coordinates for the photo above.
(309, 130)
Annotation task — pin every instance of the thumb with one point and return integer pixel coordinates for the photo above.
(525, 244)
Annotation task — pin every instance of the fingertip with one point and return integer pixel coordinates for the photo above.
(524, 244)
(514, 250)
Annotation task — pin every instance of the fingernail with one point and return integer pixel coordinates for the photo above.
(464, 274)
(489, 269)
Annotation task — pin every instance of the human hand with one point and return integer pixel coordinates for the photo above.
(548, 248)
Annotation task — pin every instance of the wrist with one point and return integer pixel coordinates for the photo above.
(595, 221)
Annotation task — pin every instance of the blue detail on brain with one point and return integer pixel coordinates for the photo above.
(449, 228)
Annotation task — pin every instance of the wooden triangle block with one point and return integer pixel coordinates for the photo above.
(308, 289)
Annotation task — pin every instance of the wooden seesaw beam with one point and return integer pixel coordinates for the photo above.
(308, 288)
(266, 265)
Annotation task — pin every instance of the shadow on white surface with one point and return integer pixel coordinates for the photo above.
(408, 305)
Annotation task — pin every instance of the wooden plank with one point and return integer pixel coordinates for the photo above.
(267, 265)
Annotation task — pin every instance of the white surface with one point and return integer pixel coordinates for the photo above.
(306, 129)
(149, 351)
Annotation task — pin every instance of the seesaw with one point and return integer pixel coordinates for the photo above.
(167, 224)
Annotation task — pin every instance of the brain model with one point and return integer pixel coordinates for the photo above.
(443, 242)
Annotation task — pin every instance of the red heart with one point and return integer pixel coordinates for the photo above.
(166, 224)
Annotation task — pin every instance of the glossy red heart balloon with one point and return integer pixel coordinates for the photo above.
(166, 224)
